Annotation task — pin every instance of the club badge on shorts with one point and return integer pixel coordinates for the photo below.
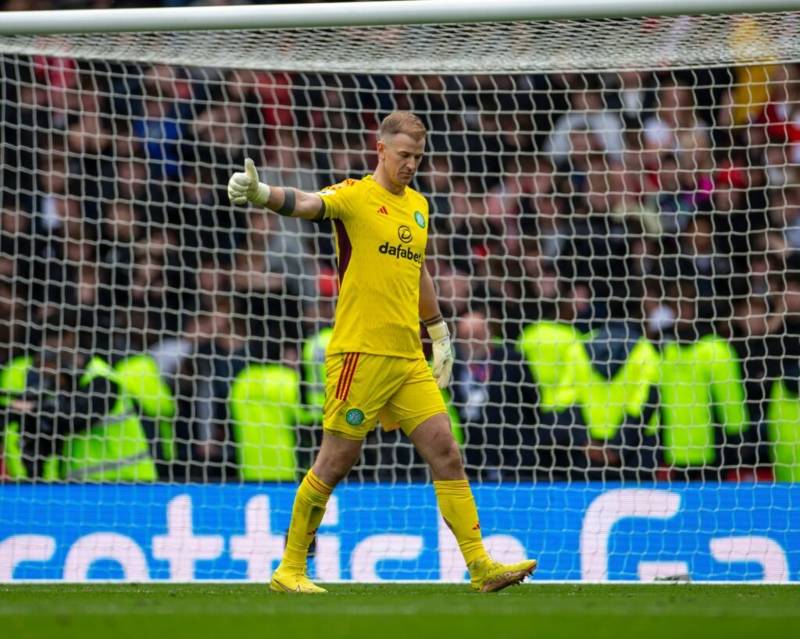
(354, 417)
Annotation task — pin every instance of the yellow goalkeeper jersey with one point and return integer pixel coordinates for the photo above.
(380, 249)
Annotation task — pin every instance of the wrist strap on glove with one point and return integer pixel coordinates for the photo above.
(262, 195)
(438, 330)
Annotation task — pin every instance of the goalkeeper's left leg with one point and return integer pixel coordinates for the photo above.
(434, 440)
(458, 509)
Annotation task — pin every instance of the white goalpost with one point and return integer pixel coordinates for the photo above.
(615, 237)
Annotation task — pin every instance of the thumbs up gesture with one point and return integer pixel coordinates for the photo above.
(244, 187)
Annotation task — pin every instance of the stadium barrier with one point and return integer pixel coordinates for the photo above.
(590, 532)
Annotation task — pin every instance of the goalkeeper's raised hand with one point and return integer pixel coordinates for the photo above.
(245, 187)
(442, 353)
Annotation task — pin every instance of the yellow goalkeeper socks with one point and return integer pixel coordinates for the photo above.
(457, 506)
(309, 507)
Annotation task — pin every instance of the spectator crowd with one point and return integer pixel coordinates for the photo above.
(619, 255)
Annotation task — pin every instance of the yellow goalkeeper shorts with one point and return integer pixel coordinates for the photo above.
(362, 389)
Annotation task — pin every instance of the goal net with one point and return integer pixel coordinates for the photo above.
(614, 234)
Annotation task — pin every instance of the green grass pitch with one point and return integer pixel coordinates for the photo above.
(407, 611)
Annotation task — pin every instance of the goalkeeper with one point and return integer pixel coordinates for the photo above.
(374, 363)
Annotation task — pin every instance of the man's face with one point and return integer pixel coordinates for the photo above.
(685, 306)
(472, 331)
(791, 297)
(401, 156)
(752, 317)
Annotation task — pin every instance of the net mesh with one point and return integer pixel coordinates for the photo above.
(503, 47)
(614, 237)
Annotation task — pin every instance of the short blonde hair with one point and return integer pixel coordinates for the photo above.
(402, 122)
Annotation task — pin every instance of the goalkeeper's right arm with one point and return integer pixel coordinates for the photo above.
(245, 187)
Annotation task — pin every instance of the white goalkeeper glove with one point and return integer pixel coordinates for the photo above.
(245, 187)
(442, 353)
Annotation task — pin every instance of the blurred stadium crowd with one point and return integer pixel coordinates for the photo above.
(618, 255)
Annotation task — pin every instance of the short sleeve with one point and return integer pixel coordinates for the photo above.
(338, 200)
